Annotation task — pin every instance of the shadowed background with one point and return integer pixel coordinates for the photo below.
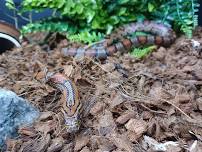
(5, 13)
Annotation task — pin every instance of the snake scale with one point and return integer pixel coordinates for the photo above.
(162, 35)
(71, 104)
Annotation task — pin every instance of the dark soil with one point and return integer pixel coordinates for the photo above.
(136, 105)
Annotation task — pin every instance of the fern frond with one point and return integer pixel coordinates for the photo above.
(142, 52)
(86, 37)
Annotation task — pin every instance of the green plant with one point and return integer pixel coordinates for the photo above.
(102, 16)
(88, 13)
(86, 37)
(49, 26)
(142, 52)
(182, 13)
(69, 30)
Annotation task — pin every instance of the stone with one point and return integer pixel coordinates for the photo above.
(15, 112)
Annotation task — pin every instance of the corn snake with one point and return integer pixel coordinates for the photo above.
(162, 35)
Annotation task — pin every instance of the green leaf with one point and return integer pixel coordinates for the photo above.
(10, 4)
(151, 7)
(123, 1)
(122, 11)
(142, 52)
(106, 15)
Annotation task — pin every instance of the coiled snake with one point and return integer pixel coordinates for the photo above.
(162, 36)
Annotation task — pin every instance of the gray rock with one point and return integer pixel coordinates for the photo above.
(14, 112)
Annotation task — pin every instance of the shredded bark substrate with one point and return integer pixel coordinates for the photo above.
(152, 104)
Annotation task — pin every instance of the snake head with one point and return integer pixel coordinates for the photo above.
(72, 123)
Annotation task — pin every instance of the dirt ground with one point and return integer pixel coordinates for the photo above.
(152, 104)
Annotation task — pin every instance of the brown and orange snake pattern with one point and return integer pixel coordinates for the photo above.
(162, 35)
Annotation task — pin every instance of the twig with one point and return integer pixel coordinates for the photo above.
(176, 107)
(59, 124)
(140, 96)
(153, 111)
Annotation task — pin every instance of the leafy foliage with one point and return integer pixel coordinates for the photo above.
(10, 4)
(142, 52)
(86, 37)
(49, 26)
(64, 28)
(182, 13)
(91, 17)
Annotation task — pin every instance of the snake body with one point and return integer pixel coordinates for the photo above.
(71, 104)
(162, 35)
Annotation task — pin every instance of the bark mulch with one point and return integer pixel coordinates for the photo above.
(153, 104)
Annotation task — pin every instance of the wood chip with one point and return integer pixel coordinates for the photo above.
(36, 146)
(146, 115)
(13, 145)
(160, 54)
(45, 127)
(121, 142)
(68, 147)
(68, 69)
(106, 123)
(45, 116)
(56, 145)
(85, 149)
(132, 136)
(28, 131)
(98, 107)
(183, 98)
(125, 117)
(81, 141)
(136, 126)
(117, 100)
(199, 103)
